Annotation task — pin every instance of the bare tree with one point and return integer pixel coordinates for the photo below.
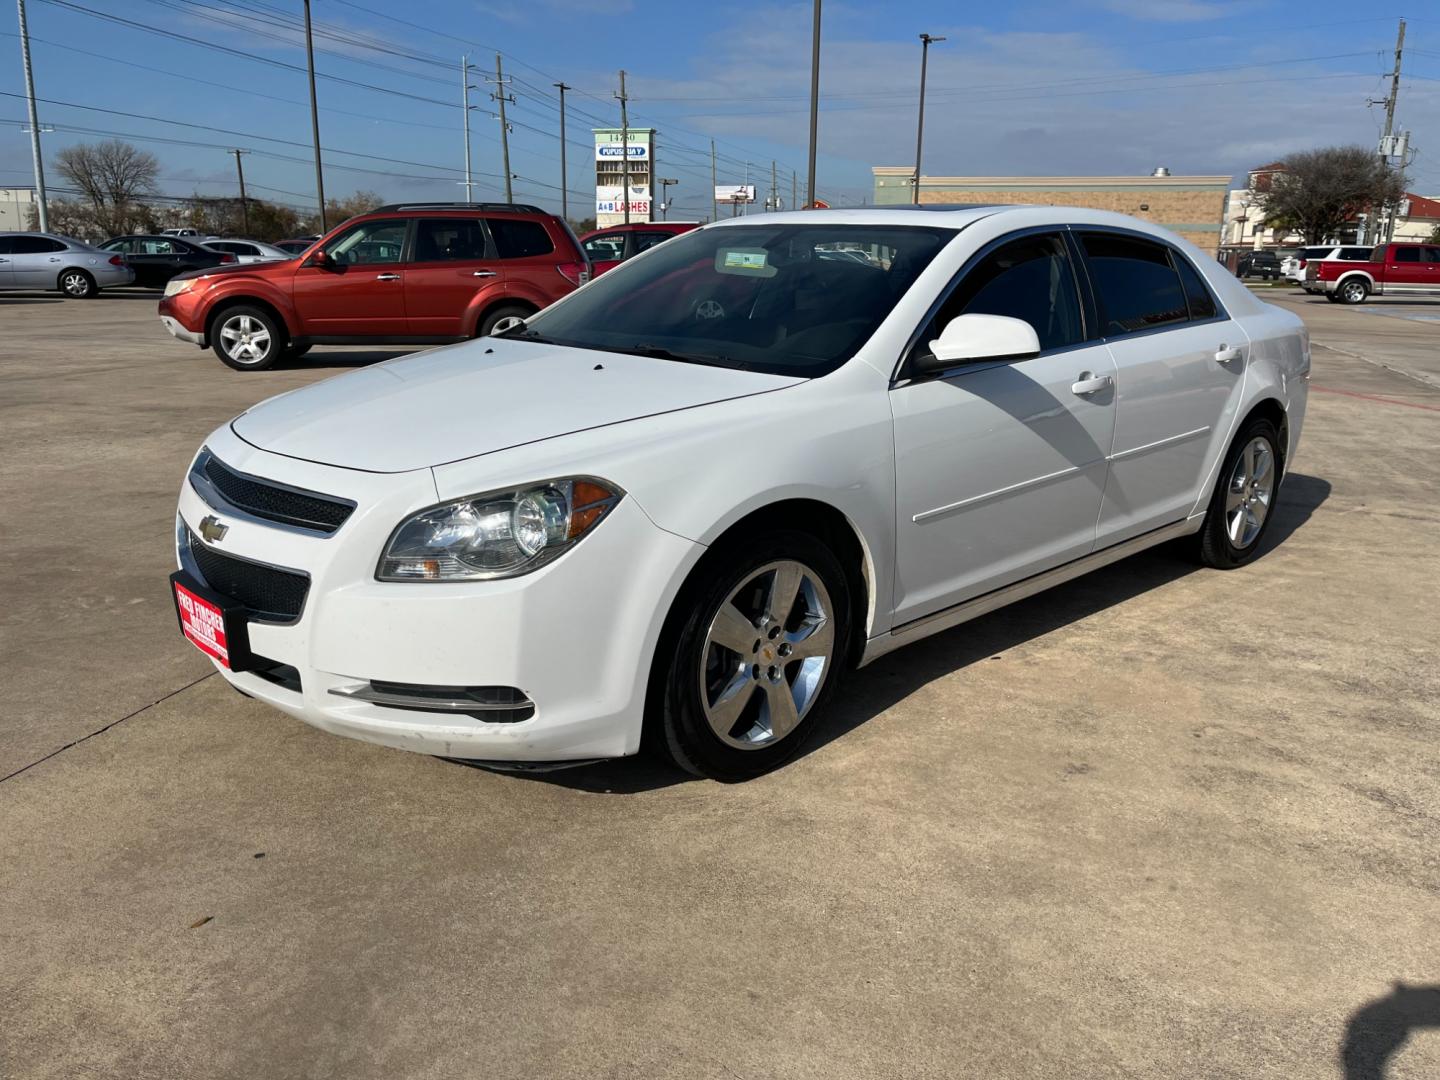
(1317, 192)
(112, 176)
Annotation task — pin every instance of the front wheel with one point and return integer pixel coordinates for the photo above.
(754, 660)
(77, 284)
(247, 338)
(1244, 499)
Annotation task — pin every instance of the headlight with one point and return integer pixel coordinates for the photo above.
(180, 285)
(497, 535)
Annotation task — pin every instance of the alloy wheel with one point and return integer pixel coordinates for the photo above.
(75, 284)
(246, 339)
(767, 654)
(1354, 292)
(1251, 489)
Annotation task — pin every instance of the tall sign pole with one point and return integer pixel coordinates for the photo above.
(564, 172)
(315, 120)
(814, 104)
(34, 123)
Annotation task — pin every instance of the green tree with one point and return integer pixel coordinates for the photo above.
(1317, 192)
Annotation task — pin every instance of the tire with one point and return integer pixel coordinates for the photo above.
(77, 284)
(497, 318)
(254, 342)
(1247, 489)
(717, 701)
(1353, 291)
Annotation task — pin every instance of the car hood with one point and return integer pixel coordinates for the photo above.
(471, 399)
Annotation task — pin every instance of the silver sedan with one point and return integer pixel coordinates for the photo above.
(31, 260)
(248, 251)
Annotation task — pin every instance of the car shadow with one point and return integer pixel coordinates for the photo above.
(1379, 1028)
(347, 358)
(15, 301)
(880, 686)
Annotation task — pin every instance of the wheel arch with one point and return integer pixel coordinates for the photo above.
(1272, 409)
(1364, 275)
(484, 304)
(73, 269)
(234, 300)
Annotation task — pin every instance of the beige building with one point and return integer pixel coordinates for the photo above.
(1193, 206)
(15, 206)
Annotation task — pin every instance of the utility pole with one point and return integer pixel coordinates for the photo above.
(501, 96)
(925, 40)
(774, 188)
(794, 190)
(624, 148)
(465, 114)
(34, 123)
(714, 204)
(315, 120)
(665, 186)
(1390, 120)
(564, 172)
(244, 203)
(814, 103)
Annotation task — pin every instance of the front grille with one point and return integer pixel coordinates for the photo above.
(271, 595)
(288, 506)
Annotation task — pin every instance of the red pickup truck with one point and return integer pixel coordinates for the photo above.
(1391, 269)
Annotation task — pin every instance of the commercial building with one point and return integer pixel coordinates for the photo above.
(1192, 206)
(611, 146)
(16, 204)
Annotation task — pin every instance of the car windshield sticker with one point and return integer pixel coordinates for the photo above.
(752, 262)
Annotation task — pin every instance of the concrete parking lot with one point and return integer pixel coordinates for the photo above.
(1158, 822)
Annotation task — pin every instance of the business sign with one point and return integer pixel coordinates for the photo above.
(735, 193)
(608, 199)
(616, 151)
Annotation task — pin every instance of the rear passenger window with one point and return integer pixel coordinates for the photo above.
(520, 239)
(646, 240)
(34, 245)
(1407, 255)
(1197, 296)
(1027, 279)
(1432, 254)
(1355, 254)
(446, 240)
(1137, 286)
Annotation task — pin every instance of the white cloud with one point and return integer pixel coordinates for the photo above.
(1174, 10)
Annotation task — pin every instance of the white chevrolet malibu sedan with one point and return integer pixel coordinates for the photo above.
(672, 508)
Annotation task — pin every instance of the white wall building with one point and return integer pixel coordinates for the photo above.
(15, 206)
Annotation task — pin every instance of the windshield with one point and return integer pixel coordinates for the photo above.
(784, 299)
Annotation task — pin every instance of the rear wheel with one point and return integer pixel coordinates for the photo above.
(748, 672)
(1353, 291)
(502, 318)
(247, 338)
(77, 284)
(1244, 499)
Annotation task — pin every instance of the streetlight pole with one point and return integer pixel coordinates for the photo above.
(315, 120)
(564, 172)
(925, 40)
(465, 114)
(814, 103)
(665, 186)
(34, 123)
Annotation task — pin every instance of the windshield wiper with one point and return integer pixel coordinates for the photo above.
(524, 335)
(659, 352)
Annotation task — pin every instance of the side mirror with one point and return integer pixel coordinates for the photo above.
(971, 338)
(318, 258)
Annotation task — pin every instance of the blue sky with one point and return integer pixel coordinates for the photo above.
(1026, 88)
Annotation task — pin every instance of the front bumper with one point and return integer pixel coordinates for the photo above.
(575, 637)
(178, 331)
(177, 317)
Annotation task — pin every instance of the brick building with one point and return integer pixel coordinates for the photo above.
(1193, 206)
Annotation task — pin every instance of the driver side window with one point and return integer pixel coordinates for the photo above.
(369, 243)
(1030, 279)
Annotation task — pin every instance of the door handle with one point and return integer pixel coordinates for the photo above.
(387, 277)
(1089, 384)
(1225, 355)
(483, 273)
(55, 258)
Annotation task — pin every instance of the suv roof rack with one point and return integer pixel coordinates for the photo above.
(488, 207)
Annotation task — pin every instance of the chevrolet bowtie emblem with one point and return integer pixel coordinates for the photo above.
(211, 530)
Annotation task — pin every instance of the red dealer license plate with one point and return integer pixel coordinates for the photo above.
(212, 623)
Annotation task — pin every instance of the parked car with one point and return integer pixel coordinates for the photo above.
(157, 259)
(35, 260)
(249, 251)
(607, 248)
(678, 503)
(423, 273)
(1292, 267)
(182, 232)
(1391, 269)
(1261, 264)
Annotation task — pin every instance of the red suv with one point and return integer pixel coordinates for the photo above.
(610, 247)
(414, 273)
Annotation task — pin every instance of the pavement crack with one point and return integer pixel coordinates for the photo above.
(107, 727)
(1412, 376)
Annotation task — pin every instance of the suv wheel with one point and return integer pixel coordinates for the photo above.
(247, 338)
(502, 318)
(1353, 291)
